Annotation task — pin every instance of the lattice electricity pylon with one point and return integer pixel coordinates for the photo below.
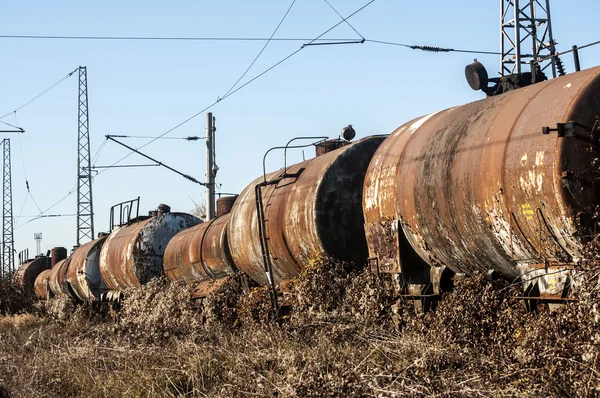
(8, 242)
(526, 23)
(85, 208)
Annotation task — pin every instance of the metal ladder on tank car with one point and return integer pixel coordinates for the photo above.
(260, 211)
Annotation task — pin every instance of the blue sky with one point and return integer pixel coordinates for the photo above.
(147, 87)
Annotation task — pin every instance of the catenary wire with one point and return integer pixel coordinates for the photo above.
(243, 85)
(263, 48)
(40, 94)
(340, 15)
(432, 48)
(158, 38)
(570, 51)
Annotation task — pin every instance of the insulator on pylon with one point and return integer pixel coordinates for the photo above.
(560, 67)
(431, 48)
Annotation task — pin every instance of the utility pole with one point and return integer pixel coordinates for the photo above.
(8, 242)
(211, 168)
(85, 208)
(526, 25)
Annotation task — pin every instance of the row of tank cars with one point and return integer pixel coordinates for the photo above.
(507, 186)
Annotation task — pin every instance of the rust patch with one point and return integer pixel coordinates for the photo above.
(133, 254)
(315, 209)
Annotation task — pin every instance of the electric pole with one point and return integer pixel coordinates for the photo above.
(85, 208)
(525, 25)
(211, 168)
(8, 243)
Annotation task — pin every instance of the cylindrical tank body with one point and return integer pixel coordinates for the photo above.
(29, 271)
(58, 278)
(480, 186)
(132, 255)
(315, 209)
(199, 253)
(57, 254)
(83, 273)
(42, 285)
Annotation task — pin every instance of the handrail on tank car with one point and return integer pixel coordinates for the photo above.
(124, 208)
(285, 148)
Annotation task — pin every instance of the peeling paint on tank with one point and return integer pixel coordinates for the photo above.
(316, 208)
(531, 182)
(539, 158)
(456, 160)
(416, 125)
(132, 255)
(524, 159)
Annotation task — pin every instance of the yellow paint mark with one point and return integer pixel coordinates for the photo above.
(527, 211)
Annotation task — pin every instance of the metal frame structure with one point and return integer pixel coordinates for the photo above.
(522, 22)
(8, 242)
(85, 207)
(38, 243)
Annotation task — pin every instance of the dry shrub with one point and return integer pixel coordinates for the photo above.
(369, 299)
(478, 342)
(220, 307)
(475, 311)
(157, 312)
(321, 286)
(255, 306)
(14, 299)
(60, 308)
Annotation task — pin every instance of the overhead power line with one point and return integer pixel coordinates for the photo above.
(262, 49)
(39, 95)
(345, 20)
(243, 85)
(158, 38)
(190, 138)
(432, 48)
(571, 50)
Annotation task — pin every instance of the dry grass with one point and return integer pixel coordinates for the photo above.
(342, 342)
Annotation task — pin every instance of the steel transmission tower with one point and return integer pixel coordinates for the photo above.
(85, 208)
(526, 36)
(8, 243)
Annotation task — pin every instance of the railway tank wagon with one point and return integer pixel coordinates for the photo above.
(311, 208)
(30, 269)
(83, 273)
(508, 184)
(42, 285)
(132, 255)
(201, 253)
(57, 279)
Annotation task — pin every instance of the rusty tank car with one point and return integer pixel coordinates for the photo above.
(201, 253)
(29, 270)
(132, 255)
(83, 273)
(58, 282)
(506, 184)
(311, 208)
(42, 285)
